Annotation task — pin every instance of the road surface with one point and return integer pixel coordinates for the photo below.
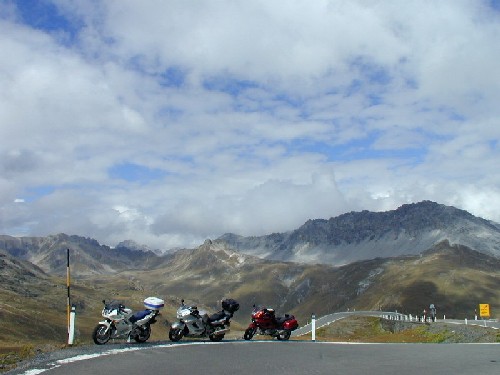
(280, 358)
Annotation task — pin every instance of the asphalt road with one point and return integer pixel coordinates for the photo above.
(273, 357)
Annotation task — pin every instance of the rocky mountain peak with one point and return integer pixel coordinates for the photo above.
(409, 229)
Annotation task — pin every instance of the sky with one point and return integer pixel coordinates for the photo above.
(169, 122)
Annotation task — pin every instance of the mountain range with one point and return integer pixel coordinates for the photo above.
(408, 230)
(452, 261)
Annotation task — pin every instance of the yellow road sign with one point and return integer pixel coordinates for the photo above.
(484, 310)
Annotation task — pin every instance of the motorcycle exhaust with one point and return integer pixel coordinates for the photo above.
(222, 331)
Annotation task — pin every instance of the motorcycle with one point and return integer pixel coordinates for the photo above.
(196, 323)
(264, 322)
(122, 322)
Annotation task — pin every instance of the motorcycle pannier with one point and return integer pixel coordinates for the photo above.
(153, 303)
(291, 324)
(230, 305)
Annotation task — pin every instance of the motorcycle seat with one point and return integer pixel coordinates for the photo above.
(139, 315)
(217, 316)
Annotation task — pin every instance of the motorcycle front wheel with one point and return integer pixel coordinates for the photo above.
(249, 334)
(143, 334)
(175, 334)
(101, 334)
(284, 336)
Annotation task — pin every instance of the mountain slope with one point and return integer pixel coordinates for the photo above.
(454, 278)
(354, 236)
(87, 255)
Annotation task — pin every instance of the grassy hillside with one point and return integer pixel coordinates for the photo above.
(455, 279)
(371, 329)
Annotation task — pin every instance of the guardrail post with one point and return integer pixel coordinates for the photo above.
(313, 327)
(465, 321)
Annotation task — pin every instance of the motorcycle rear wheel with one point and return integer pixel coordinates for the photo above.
(101, 334)
(249, 332)
(284, 336)
(175, 334)
(216, 338)
(143, 335)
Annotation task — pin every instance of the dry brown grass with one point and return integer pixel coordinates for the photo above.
(377, 330)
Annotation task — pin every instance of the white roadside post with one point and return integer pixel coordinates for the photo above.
(71, 332)
(313, 327)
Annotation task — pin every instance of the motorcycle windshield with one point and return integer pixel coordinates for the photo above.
(113, 305)
(183, 312)
(258, 308)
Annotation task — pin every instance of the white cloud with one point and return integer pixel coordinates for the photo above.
(259, 115)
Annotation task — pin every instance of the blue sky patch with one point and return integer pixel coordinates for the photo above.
(43, 15)
(135, 173)
(495, 4)
(36, 192)
(173, 77)
(371, 72)
(228, 85)
(359, 149)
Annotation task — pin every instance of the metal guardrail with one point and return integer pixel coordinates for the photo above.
(330, 318)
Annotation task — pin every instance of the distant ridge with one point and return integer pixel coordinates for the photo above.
(88, 256)
(351, 237)
(454, 277)
(408, 230)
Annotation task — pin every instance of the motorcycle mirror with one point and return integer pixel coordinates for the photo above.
(104, 301)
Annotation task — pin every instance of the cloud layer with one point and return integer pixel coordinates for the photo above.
(168, 122)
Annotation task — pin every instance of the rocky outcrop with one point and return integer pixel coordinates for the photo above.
(408, 230)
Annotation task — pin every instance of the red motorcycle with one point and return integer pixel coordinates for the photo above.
(264, 322)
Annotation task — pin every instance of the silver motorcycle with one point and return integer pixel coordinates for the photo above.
(122, 322)
(197, 323)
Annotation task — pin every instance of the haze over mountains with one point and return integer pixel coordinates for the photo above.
(409, 230)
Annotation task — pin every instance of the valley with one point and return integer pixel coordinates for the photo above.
(33, 294)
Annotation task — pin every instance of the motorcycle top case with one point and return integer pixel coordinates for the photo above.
(153, 303)
(230, 305)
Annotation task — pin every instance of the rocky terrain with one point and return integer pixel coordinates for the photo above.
(408, 230)
(453, 276)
